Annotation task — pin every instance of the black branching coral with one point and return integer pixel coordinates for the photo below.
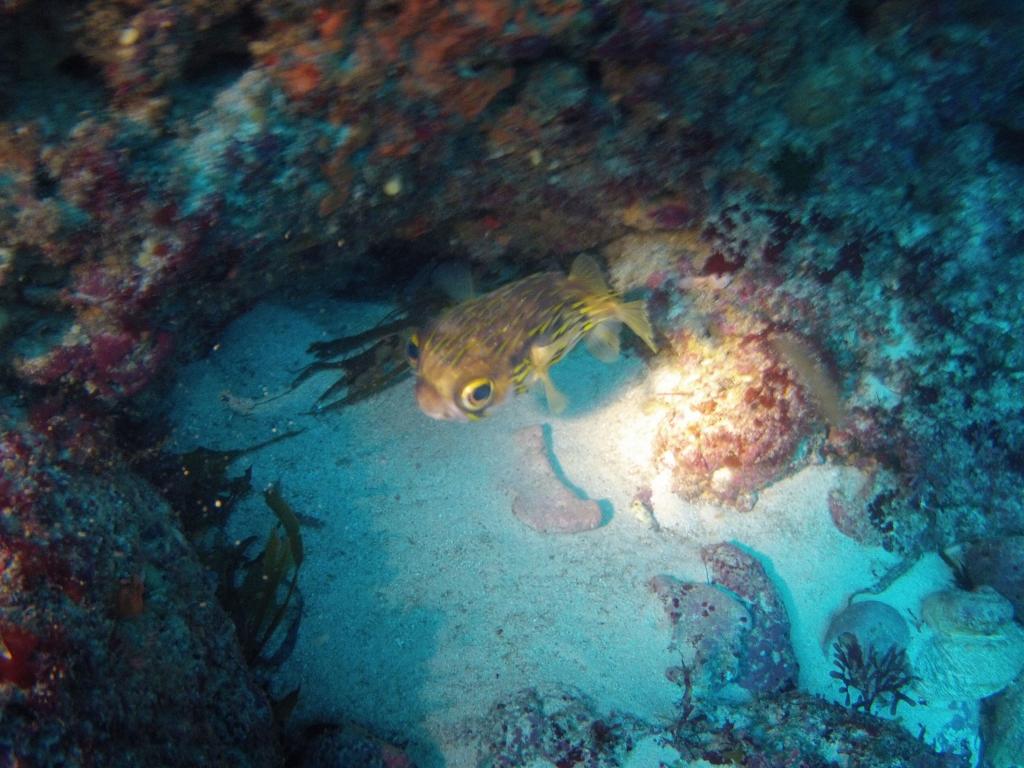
(874, 677)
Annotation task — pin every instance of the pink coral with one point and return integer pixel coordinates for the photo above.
(141, 48)
(119, 271)
(740, 419)
(111, 365)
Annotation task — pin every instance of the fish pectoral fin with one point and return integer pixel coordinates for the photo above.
(556, 400)
(541, 356)
(634, 315)
(603, 341)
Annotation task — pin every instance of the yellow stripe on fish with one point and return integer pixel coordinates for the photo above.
(474, 354)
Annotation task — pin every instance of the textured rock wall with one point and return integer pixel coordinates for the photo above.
(115, 652)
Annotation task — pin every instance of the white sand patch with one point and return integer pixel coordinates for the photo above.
(426, 600)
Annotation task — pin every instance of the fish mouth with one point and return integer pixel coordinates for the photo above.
(434, 405)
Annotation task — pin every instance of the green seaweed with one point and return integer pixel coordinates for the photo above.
(206, 495)
(259, 592)
(197, 486)
(962, 578)
(370, 361)
(283, 707)
(872, 675)
(367, 373)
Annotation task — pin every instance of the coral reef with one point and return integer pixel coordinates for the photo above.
(858, 506)
(999, 563)
(732, 635)
(737, 418)
(111, 254)
(820, 201)
(704, 138)
(1003, 727)
(768, 664)
(555, 727)
(326, 745)
(795, 729)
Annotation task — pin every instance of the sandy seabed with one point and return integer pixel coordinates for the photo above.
(426, 600)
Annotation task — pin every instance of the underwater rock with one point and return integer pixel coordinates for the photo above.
(1002, 728)
(857, 504)
(541, 499)
(875, 625)
(114, 630)
(709, 629)
(553, 726)
(975, 649)
(738, 418)
(768, 664)
(956, 612)
(999, 563)
(644, 258)
(798, 729)
(346, 745)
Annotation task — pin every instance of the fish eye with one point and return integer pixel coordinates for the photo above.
(477, 394)
(412, 350)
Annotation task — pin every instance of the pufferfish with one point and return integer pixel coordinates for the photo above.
(473, 355)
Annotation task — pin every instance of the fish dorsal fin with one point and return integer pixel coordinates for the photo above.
(455, 280)
(586, 271)
(603, 341)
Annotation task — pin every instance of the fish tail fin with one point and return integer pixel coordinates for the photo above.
(586, 271)
(634, 314)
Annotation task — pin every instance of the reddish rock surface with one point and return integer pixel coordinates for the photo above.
(768, 664)
(541, 500)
